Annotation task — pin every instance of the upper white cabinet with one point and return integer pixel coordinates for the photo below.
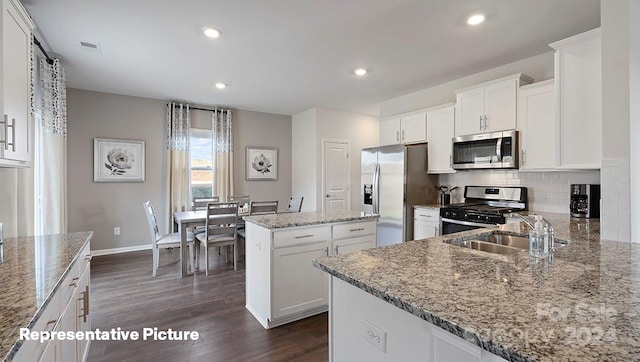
(16, 129)
(578, 74)
(440, 131)
(537, 126)
(489, 106)
(409, 128)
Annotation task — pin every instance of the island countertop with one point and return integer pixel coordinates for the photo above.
(31, 271)
(293, 219)
(582, 305)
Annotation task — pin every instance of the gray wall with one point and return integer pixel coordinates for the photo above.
(102, 206)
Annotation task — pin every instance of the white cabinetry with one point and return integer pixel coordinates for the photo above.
(282, 285)
(68, 311)
(440, 132)
(578, 76)
(426, 222)
(537, 126)
(365, 328)
(488, 107)
(409, 128)
(16, 125)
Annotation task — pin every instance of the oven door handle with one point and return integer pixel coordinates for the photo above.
(469, 223)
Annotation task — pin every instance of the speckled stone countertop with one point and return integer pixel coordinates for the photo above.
(584, 305)
(286, 220)
(31, 271)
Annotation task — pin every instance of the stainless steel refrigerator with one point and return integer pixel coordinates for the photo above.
(394, 179)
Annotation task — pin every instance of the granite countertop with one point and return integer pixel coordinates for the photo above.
(286, 220)
(31, 271)
(583, 305)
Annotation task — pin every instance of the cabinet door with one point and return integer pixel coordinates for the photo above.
(68, 349)
(470, 112)
(500, 106)
(353, 244)
(390, 132)
(579, 82)
(440, 130)
(297, 284)
(51, 352)
(15, 129)
(83, 316)
(414, 128)
(537, 126)
(423, 230)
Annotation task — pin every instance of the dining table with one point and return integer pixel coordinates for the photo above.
(186, 220)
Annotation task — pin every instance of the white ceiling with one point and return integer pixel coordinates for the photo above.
(286, 56)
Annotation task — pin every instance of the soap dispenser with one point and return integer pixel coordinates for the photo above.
(539, 239)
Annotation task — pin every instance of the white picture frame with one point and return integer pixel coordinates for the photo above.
(116, 160)
(261, 163)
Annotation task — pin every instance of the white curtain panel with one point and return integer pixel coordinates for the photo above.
(222, 133)
(50, 154)
(178, 175)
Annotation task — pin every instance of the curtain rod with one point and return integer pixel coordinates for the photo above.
(37, 43)
(203, 109)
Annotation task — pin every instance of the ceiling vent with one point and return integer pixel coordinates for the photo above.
(90, 46)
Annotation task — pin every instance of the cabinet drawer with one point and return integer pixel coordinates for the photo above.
(426, 215)
(70, 282)
(354, 229)
(290, 237)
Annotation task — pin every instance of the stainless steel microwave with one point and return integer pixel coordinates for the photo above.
(486, 150)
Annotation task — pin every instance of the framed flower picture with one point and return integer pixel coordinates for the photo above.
(262, 163)
(118, 160)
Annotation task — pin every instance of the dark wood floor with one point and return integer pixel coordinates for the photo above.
(125, 295)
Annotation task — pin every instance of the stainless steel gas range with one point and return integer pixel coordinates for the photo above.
(483, 206)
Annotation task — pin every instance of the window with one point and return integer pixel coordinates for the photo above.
(201, 162)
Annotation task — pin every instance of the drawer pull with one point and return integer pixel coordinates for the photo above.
(53, 323)
(423, 215)
(74, 282)
(304, 236)
(336, 249)
(358, 229)
(85, 304)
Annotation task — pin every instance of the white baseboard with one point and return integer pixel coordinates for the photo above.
(126, 249)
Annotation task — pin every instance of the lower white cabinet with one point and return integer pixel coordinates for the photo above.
(365, 328)
(426, 222)
(68, 311)
(282, 285)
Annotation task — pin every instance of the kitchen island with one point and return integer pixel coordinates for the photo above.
(42, 277)
(431, 300)
(281, 283)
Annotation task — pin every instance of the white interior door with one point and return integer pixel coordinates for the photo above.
(335, 171)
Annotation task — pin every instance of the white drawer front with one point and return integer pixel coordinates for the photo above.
(354, 229)
(290, 237)
(426, 214)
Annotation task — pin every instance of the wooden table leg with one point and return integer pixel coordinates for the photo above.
(184, 256)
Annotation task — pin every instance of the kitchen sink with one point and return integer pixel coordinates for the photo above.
(519, 242)
(498, 243)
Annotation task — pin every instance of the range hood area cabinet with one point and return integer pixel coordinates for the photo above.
(489, 106)
(537, 126)
(578, 76)
(403, 129)
(16, 125)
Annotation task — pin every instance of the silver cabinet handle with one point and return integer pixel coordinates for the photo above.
(437, 231)
(524, 157)
(358, 229)
(485, 122)
(481, 123)
(13, 135)
(85, 304)
(451, 161)
(397, 136)
(336, 249)
(304, 236)
(403, 138)
(326, 251)
(425, 215)
(74, 282)
(5, 125)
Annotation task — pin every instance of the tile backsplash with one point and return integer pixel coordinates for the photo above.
(547, 191)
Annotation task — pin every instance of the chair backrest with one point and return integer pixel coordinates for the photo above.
(153, 222)
(295, 203)
(263, 207)
(200, 203)
(222, 219)
(243, 201)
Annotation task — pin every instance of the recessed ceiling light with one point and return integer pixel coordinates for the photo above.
(211, 32)
(475, 19)
(360, 72)
(221, 85)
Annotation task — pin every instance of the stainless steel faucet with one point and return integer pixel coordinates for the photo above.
(547, 225)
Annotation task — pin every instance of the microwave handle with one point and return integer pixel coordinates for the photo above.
(499, 149)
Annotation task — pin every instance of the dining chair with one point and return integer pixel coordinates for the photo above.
(221, 229)
(263, 207)
(295, 203)
(166, 241)
(200, 203)
(244, 203)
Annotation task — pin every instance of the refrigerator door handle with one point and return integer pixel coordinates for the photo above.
(376, 189)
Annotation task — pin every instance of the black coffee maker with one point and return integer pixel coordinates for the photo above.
(585, 201)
